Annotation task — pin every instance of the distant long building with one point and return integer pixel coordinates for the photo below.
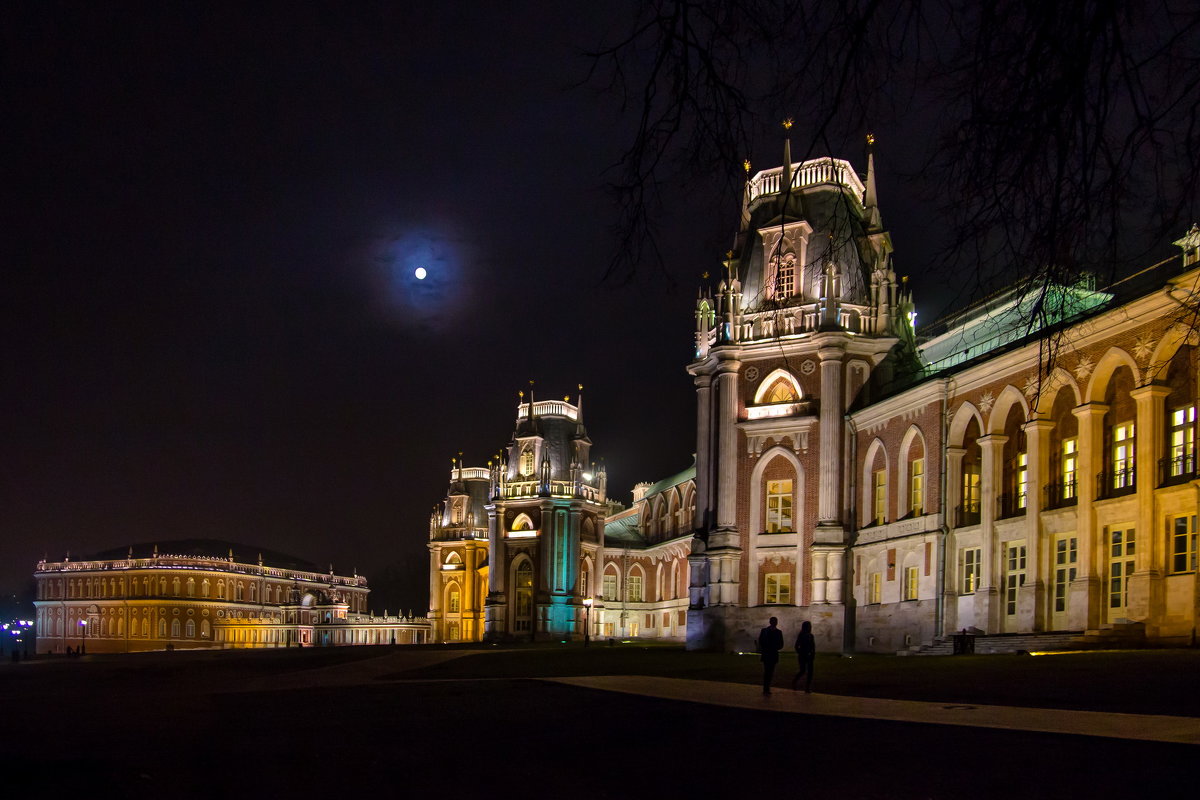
(205, 594)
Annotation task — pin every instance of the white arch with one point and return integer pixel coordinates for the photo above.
(1105, 367)
(868, 481)
(1058, 380)
(771, 379)
(1175, 337)
(757, 513)
(611, 568)
(589, 567)
(903, 471)
(961, 421)
(523, 522)
(1009, 396)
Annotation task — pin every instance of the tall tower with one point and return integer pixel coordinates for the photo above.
(545, 520)
(458, 556)
(808, 310)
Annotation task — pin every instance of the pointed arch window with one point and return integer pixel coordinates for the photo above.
(781, 391)
(522, 527)
(785, 276)
(523, 584)
(779, 506)
(777, 395)
(526, 464)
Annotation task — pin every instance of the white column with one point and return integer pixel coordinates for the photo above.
(727, 447)
(829, 498)
(1146, 584)
(703, 517)
(1033, 595)
(991, 584)
(1086, 589)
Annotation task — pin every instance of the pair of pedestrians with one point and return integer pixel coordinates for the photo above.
(770, 642)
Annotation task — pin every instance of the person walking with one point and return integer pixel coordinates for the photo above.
(806, 652)
(770, 642)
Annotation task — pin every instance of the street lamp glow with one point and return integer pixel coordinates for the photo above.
(420, 273)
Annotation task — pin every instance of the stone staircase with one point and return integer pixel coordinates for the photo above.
(1121, 635)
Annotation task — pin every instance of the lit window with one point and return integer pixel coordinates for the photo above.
(874, 588)
(971, 489)
(778, 588)
(527, 461)
(1122, 456)
(452, 604)
(191, 587)
(879, 505)
(779, 506)
(916, 486)
(971, 557)
(781, 391)
(1182, 531)
(609, 587)
(785, 281)
(524, 597)
(456, 515)
(1121, 551)
(1021, 475)
(1070, 456)
(190, 630)
(912, 581)
(634, 589)
(1014, 576)
(1066, 559)
(1183, 441)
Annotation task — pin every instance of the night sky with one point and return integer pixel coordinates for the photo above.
(212, 216)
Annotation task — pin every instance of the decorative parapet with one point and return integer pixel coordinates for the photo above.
(210, 563)
(806, 174)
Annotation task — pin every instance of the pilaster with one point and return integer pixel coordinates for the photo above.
(1034, 602)
(1085, 597)
(1146, 584)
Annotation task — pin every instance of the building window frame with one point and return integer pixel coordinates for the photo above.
(780, 506)
(879, 496)
(1070, 464)
(1182, 543)
(1124, 449)
(971, 561)
(916, 486)
(777, 588)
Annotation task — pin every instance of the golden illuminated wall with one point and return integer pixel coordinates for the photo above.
(130, 605)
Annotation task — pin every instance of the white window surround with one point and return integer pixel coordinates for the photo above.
(757, 518)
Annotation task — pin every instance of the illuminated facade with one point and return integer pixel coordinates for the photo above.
(194, 598)
(893, 491)
(630, 565)
(888, 488)
(515, 547)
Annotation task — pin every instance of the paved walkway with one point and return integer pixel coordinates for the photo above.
(1146, 727)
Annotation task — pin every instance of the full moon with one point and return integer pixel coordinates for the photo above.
(420, 273)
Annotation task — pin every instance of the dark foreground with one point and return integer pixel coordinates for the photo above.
(390, 723)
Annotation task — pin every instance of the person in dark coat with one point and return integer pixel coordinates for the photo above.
(806, 652)
(770, 642)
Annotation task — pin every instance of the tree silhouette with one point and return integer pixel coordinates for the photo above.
(1066, 141)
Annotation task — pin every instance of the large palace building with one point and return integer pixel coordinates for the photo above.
(189, 595)
(888, 487)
